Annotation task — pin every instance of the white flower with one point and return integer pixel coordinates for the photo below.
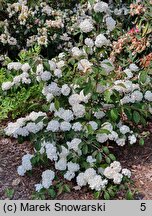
(94, 125)
(148, 95)
(65, 126)
(47, 177)
(124, 129)
(137, 96)
(133, 67)
(86, 26)
(107, 65)
(101, 7)
(21, 171)
(52, 107)
(116, 166)
(79, 110)
(61, 164)
(74, 99)
(66, 115)
(25, 67)
(101, 40)
(34, 128)
(132, 139)
(26, 162)
(69, 175)
(58, 73)
(46, 75)
(89, 174)
(54, 89)
(76, 52)
(81, 181)
(38, 187)
(51, 151)
(126, 172)
(91, 160)
(96, 183)
(102, 137)
(6, 85)
(128, 73)
(121, 141)
(53, 126)
(110, 23)
(73, 167)
(84, 65)
(74, 144)
(77, 126)
(113, 136)
(117, 178)
(65, 90)
(49, 97)
(109, 173)
(52, 65)
(89, 42)
(14, 65)
(64, 153)
(99, 114)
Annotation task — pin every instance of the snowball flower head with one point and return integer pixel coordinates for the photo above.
(53, 126)
(6, 85)
(148, 96)
(101, 7)
(86, 26)
(110, 23)
(133, 67)
(89, 42)
(101, 40)
(47, 177)
(65, 90)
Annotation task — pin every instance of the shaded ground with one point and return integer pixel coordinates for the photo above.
(138, 159)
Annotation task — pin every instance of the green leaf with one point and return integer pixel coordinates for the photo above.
(85, 149)
(107, 96)
(136, 117)
(114, 114)
(99, 157)
(52, 193)
(141, 142)
(112, 157)
(67, 188)
(104, 131)
(97, 194)
(143, 77)
(129, 195)
(39, 119)
(9, 193)
(105, 149)
(106, 196)
(45, 108)
(47, 66)
(108, 160)
(57, 104)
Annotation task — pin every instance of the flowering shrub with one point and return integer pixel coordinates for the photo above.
(95, 100)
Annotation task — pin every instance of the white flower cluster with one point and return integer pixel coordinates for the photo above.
(91, 178)
(86, 26)
(47, 178)
(26, 164)
(113, 172)
(23, 126)
(23, 78)
(101, 41)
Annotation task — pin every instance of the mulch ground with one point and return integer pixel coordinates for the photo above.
(138, 159)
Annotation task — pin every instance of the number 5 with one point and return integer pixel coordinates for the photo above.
(143, 207)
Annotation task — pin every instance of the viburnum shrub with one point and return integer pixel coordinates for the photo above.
(92, 105)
